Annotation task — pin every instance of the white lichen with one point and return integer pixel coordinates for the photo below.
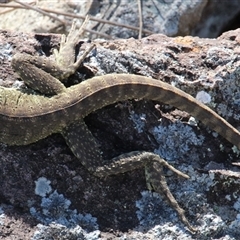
(56, 209)
(138, 120)
(42, 187)
(2, 216)
(203, 97)
(175, 140)
(237, 205)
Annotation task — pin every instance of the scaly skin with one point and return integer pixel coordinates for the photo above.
(27, 118)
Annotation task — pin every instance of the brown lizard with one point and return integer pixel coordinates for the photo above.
(27, 118)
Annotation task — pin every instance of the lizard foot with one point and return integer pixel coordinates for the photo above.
(156, 181)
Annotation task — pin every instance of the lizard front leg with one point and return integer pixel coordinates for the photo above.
(84, 146)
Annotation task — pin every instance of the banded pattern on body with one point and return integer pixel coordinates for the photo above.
(30, 117)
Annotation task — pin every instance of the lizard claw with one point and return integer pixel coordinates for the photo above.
(156, 181)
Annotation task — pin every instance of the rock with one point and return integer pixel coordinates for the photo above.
(190, 63)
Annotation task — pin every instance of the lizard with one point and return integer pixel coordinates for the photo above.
(27, 117)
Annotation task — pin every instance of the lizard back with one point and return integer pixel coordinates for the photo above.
(27, 118)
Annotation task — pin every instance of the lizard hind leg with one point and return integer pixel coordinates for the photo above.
(38, 73)
(86, 149)
(65, 56)
(45, 75)
(156, 181)
(83, 145)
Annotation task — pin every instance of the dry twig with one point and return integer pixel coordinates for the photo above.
(46, 10)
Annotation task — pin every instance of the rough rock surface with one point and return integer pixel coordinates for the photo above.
(43, 182)
(39, 181)
(217, 17)
(204, 18)
(171, 18)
